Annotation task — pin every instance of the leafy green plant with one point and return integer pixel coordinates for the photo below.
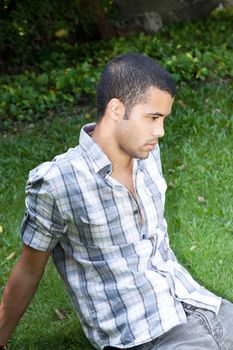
(65, 79)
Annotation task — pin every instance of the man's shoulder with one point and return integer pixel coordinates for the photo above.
(59, 166)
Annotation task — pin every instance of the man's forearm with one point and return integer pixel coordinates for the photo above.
(17, 295)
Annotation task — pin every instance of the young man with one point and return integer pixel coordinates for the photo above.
(99, 211)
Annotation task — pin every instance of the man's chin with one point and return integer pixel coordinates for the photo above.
(141, 156)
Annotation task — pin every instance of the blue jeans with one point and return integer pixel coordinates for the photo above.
(204, 331)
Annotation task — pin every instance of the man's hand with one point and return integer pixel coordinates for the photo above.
(20, 288)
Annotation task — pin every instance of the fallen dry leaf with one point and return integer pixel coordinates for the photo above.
(171, 185)
(181, 103)
(201, 199)
(9, 257)
(181, 167)
(59, 314)
(61, 33)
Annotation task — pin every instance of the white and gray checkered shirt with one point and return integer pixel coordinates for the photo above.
(122, 276)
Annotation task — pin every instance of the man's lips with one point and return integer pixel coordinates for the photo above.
(151, 145)
(153, 142)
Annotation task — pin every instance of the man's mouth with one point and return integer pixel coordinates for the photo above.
(151, 145)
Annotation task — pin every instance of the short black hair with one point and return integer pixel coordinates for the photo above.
(128, 77)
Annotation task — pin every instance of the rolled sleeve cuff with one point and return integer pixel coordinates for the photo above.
(36, 235)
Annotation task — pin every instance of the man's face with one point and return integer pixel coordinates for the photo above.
(139, 134)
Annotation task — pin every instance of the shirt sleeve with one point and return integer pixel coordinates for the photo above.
(42, 226)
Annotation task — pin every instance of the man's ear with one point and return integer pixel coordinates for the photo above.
(115, 109)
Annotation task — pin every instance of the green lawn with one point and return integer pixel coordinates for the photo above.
(196, 155)
(197, 162)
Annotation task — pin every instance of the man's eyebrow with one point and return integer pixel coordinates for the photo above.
(157, 114)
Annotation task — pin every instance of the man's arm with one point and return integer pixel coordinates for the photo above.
(20, 288)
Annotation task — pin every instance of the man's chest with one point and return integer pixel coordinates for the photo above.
(112, 211)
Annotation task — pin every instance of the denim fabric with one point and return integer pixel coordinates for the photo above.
(204, 331)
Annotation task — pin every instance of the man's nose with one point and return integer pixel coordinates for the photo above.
(158, 131)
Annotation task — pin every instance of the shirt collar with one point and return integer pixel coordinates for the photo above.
(100, 161)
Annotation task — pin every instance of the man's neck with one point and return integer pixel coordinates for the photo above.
(121, 161)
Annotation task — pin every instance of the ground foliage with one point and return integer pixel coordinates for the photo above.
(192, 51)
(30, 29)
(196, 155)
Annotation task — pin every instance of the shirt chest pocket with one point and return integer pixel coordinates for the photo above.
(99, 225)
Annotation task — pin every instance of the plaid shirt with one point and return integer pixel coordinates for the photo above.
(123, 278)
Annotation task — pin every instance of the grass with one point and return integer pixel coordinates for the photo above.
(199, 201)
(197, 161)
